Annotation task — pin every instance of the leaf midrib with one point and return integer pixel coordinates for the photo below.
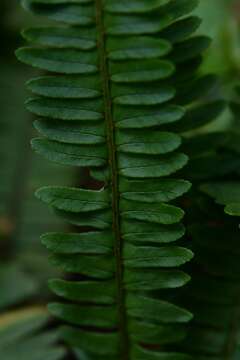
(113, 165)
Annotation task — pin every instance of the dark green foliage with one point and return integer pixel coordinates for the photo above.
(226, 191)
(126, 101)
(213, 295)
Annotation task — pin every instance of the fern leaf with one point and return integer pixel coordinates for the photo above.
(113, 103)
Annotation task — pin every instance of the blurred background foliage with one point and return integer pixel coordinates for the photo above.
(24, 267)
(221, 20)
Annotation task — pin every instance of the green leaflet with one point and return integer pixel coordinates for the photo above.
(155, 142)
(200, 116)
(150, 232)
(74, 199)
(141, 71)
(66, 109)
(155, 213)
(146, 279)
(85, 291)
(74, 155)
(101, 219)
(135, 25)
(160, 96)
(196, 88)
(112, 101)
(186, 71)
(65, 61)
(150, 257)
(100, 316)
(233, 209)
(93, 266)
(124, 90)
(189, 49)
(149, 333)
(181, 29)
(72, 133)
(225, 193)
(150, 167)
(66, 87)
(149, 118)
(138, 48)
(61, 37)
(152, 191)
(149, 23)
(68, 12)
(147, 308)
(83, 243)
(136, 6)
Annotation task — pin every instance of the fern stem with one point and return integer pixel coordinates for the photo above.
(113, 165)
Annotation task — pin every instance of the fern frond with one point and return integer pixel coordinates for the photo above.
(116, 106)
